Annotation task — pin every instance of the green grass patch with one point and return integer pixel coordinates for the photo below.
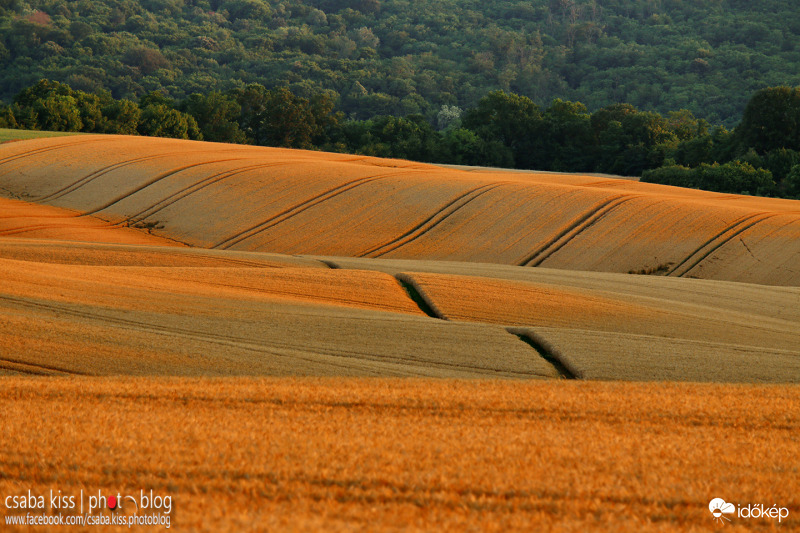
(22, 135)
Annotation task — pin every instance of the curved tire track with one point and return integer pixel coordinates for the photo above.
(717, 241)
(295, 210)
(75, 185)
(27, 229)
(565, 368)
(419, 296)
(153, 181)
(191, 189)
(576, 227)
(27, 367)
(44, 149)
(107, 320)
(442, 214)
(274, 348)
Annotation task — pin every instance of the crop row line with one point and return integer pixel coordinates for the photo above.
(717, 241)
(36, 151)
(439, 216)
(294, 210)
(573, 229)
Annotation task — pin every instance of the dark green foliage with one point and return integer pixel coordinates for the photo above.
(217, 116)
(693, 152)
(245, 9)
(40, 91)
(676, 175)
(158, 120)
(629, 141)
(411, 137)
(792, 183)
(90, 110)
(281, 118)
(685, 125)
(511, 120)
(771, 120)
(706, 56)
(121, 117)
(55, 106)
(146, 60)
(461, 146)
(565, 134)
(779, 162)
(156, 98)
(58, 113)
(732, 177)
(7, 119)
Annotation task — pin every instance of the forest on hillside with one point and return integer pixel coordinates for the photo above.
(400, 58)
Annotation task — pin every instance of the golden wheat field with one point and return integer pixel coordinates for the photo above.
(409, 455)
(284, 340)
(294, 202)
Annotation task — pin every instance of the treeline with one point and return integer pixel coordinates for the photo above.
(760, 156)
(378, 57)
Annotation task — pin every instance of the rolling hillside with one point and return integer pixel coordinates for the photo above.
(293, 202)
(162, 257)
(224, 304)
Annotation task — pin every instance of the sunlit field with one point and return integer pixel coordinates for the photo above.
(420, 455)
(280, 340)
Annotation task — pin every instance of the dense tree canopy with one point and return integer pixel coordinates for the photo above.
(402, 58)
(771, 120)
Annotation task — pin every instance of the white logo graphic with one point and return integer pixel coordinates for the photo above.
(131, 498)
(719, 508)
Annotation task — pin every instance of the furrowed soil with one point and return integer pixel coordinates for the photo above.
(411, 455)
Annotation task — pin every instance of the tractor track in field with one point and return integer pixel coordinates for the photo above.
(441, 214)
(573, 229)
(716, 242)
(75, 185)
(215, 261)
(193, 188)
(548, 352)
(419, 297)
(274, 348)
(296, 209)
(145, 327)
(27, 367)
(26, 229)
(44, 149)
(155, 180)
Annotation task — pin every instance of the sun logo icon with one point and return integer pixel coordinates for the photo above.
(719, 508)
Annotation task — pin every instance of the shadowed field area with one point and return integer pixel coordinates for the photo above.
(415, 455)
(10, 135)
(109, 309)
